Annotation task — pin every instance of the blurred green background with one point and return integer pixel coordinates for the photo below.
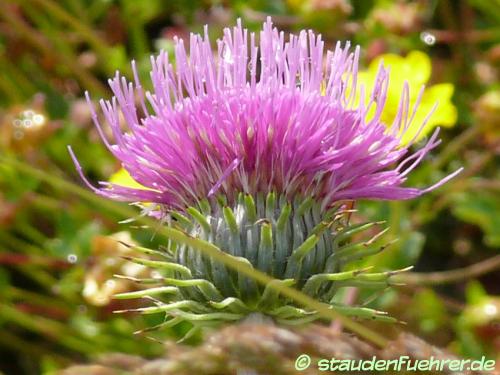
(58, 249)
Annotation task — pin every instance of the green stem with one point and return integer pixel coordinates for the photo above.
(9, 340)
(86, 32)
(451, 276)
(55, 331)
(19, 245)
(24, 295)
(38, 42)
(454, 146)
(32, 233)
(10, 70)
(10, 89)
(44, 202)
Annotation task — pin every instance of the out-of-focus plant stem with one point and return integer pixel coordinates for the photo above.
(431, 208)
(53, 330)
(41, 277)
(25, 346)
(473, 36)
(394, 223)
(51, 33)
(44, 201)
(10, 70)
(14, 258)
(452, 276)
(32, 233)
(137, 36)
(97, 44)
(449, 152)
(10, 90)
(19, 245)
(37, 41)
(455, 145)
(447, 11)
(22, 294)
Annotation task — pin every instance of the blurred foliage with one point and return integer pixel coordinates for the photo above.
(58, 253)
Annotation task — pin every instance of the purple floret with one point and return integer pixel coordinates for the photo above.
(280, 116)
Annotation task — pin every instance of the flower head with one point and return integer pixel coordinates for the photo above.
(254, 150)
(275, 117)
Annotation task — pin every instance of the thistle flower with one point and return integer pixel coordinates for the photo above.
(256, 150)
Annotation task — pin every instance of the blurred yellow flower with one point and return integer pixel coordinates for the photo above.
(123, 178)
(416, 69)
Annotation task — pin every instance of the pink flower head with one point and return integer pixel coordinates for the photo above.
(278, 115)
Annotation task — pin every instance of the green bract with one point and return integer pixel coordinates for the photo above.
(291, 241)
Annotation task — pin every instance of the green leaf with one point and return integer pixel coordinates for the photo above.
(430, 310)
(482, 210)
